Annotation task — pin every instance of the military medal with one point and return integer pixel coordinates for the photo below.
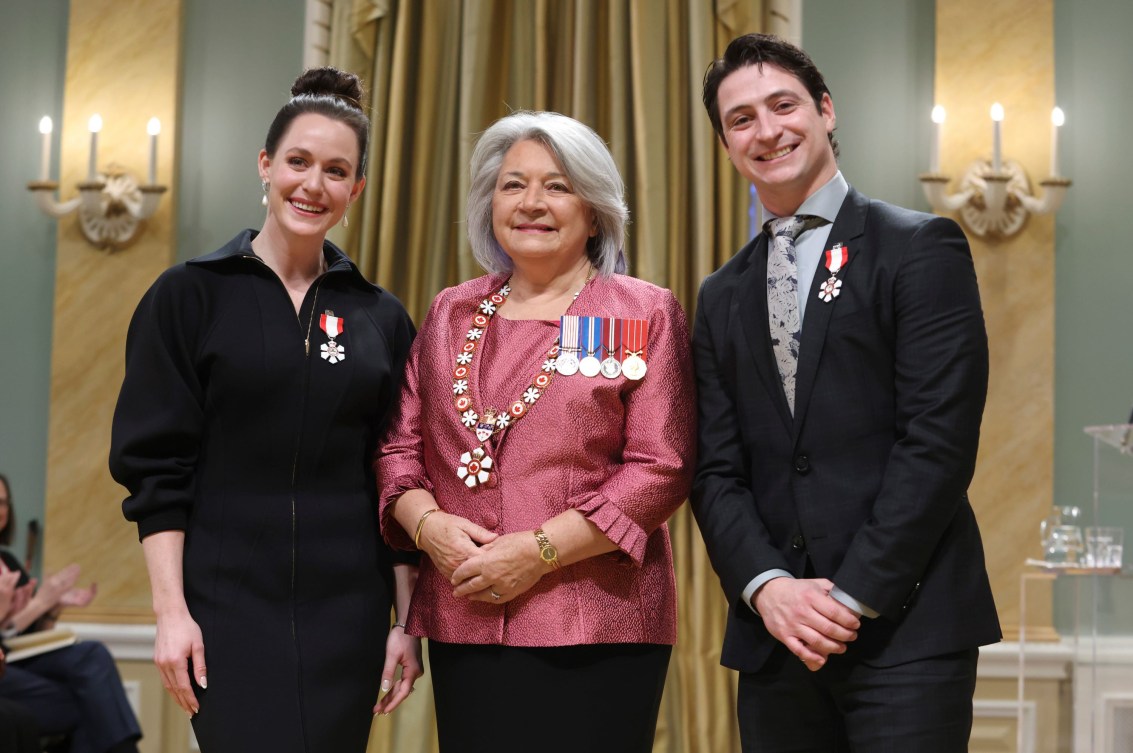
(635, 334)
(332, 325)
(590, 330)
(611, 346)
(836, 258)
(567, 363)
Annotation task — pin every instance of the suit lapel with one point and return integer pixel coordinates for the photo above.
(848, 230)
(752, 315)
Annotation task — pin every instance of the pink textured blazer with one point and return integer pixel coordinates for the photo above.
(619, 451)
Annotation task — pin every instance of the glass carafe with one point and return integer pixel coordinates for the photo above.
(1061, 533)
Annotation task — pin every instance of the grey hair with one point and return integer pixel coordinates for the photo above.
(588, 164)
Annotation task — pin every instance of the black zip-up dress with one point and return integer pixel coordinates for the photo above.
(233, 426)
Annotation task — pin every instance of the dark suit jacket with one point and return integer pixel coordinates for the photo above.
(869, 479)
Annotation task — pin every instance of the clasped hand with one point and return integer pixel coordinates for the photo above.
(481, 565)
(500, 570)
(804, 617)
(449, 540)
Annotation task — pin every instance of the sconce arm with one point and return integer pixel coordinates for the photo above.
(935, 191)
(1054, 193)
(44, 192)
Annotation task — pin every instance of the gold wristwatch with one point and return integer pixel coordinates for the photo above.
(547, 551)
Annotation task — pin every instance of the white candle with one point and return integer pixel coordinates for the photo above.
(1057, 118)
(996, 137)
(153, 128)
(937, 125)
(45, 152)
(94, 125)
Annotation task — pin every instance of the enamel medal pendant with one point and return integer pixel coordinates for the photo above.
(333, 326)
(475, 468)
(486, 425)
(836, 258)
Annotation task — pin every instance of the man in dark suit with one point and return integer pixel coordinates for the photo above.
(842, 370)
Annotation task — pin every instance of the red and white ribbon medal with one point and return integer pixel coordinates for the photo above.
(635, 335)
(332, 325)
(836, 258)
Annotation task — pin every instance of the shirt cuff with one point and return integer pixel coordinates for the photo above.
(843, 597)
(758, 581)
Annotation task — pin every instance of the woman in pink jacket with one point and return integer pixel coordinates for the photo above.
(544, 436)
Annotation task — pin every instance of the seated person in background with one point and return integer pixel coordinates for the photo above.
(18, 731)
(73, 690)
(48, 600)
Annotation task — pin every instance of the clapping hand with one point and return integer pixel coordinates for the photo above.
(8, 580)
(59, 583)
(79, 597)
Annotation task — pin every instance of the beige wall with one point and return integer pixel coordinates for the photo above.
(123, 59)
(1004, 52)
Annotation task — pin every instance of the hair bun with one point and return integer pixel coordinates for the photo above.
(329, 82)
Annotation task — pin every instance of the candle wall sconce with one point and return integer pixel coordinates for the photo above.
(112, 205)
(995, 196)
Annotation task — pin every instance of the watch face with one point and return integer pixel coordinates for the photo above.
(549, 553)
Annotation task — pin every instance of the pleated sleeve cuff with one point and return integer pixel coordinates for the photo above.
(618, 527)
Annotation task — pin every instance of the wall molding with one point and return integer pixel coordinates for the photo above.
(1041, 661)
(125, 642)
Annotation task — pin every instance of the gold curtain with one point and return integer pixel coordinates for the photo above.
(441, 71)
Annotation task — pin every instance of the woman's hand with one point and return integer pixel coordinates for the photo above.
(401, 651)
(180, 643)
(449, 540)
(57, 584)
(79, 597)
(500, 570)
(23, 596)
(8, 580)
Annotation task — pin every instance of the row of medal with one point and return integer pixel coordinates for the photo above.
(593, 345)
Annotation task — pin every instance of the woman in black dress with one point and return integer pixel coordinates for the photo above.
(257, 382)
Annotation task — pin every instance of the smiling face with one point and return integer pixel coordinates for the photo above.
(311, 176)
(536, 215)
(775, 136)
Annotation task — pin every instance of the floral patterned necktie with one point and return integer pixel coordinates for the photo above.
(783, 296)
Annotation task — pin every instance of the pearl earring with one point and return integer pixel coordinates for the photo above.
(265, 185)
(345, 219)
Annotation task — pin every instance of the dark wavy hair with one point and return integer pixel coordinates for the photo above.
(762, 49)
(330, 92)
(6, 531)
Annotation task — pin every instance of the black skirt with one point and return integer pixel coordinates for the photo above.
(594, 698)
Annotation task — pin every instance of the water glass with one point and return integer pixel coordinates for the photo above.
(1063, 545)
(1104, 545)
